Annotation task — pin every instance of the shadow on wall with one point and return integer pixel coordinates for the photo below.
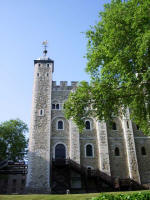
(64, 174)
(38, 173)
(61, 179)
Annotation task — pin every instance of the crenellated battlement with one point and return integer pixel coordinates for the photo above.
(65, 83)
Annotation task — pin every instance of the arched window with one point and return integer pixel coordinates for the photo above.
(60, 151)
(87, 125)
(137, 127)
(53, 106)
(89, 168)
(143, 151)
(57, 106)
(89, 150)
(117, 152)
(60, 125)
(41, 112)
(114, 127)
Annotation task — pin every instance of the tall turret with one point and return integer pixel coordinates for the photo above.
(38, 177)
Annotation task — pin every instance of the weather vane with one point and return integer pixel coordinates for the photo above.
(44, 43)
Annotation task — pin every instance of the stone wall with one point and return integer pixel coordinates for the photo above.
(39, 142)
(103, 148)
(59, 95)
(12, 183)
(141, 141)
(44, 136)
(130, 148)
(116, 140)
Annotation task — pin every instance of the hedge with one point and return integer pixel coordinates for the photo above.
(125, 196)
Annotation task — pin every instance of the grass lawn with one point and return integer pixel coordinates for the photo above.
(55, 197)
(49, 197)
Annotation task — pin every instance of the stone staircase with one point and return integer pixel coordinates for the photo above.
(61, 178)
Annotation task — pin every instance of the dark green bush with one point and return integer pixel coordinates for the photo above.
(125, 196)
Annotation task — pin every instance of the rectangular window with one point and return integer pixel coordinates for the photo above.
(41, 112)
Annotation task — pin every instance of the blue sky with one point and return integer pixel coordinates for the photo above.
(24, 24)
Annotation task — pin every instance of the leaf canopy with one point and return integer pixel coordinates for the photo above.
(12, 139)
(118, 62)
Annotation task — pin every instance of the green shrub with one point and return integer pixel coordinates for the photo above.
(126, 196)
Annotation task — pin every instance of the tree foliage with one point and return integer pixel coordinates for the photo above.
(118, 55)
(12, 139)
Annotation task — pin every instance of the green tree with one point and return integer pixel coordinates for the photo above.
(118, 62)
(12, 139)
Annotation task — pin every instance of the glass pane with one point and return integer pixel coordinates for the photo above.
(57, 106)
(60, 125)
(87, 125)
(89, 151)
(53, 106)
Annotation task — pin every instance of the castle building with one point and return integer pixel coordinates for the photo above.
(62, 159)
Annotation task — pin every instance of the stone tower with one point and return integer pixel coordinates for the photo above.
(38, 178)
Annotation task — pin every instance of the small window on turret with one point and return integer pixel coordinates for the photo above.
(47, 65)
(47, 74)
(38, 74)
(41, 112)
(39, 65)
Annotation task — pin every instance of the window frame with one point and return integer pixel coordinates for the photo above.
(114, 123)
(85, 146)
(41, 114)
(57, 125)
(53, 104)
(66, 148)
(56, 104)
(90, 125)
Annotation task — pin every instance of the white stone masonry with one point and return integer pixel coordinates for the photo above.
(74, 142)
(104, 163)
(130, 148)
